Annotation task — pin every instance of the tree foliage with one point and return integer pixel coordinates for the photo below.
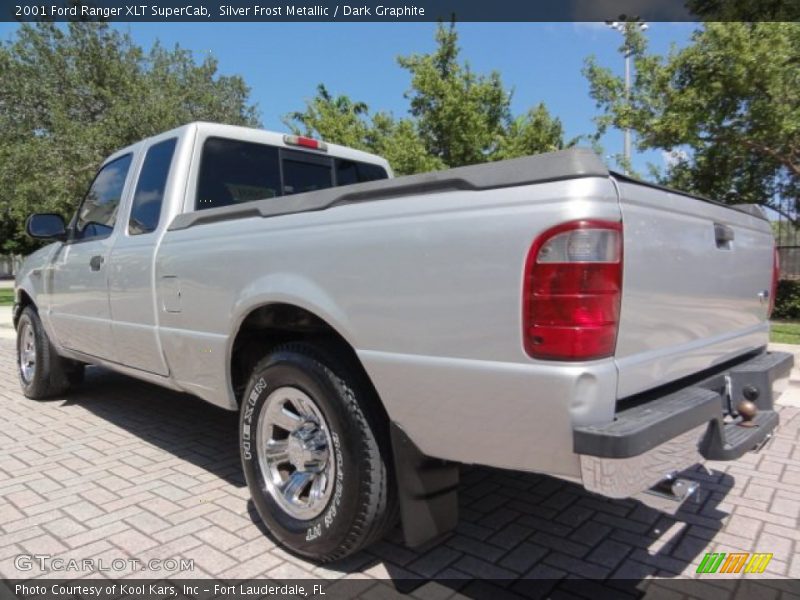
(456, 117)
(341, 121)
(536, 131)
(727, 106)
(460, 114)
(71, 96)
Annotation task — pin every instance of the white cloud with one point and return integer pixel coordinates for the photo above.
(589, 25)
(590, 29)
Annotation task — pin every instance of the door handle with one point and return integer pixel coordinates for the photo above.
(96, 262)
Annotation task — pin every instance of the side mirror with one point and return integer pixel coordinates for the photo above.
(45, 226)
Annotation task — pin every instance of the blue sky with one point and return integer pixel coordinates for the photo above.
(284, 62)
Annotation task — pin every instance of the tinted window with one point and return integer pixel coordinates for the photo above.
(147, 200)
(232, 172)
(348, 172)
(368, 172)
(301, 176)
(98, 211)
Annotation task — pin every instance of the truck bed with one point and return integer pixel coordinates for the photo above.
(553, 166)
(675, 299)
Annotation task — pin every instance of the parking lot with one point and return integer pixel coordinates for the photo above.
(121, 469)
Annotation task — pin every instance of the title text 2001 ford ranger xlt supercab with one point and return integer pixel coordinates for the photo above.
(539, 314)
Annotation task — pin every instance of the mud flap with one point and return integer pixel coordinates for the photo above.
(427, 489)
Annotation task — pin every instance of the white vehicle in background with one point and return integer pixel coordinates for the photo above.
(539, 314)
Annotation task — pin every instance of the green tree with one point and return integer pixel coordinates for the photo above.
(338, 120)
(342, 121)
(399, 142)
(71, 96)
(786, 233)
(727, 106)
(531, 133)
(457, 117)
(461, 115)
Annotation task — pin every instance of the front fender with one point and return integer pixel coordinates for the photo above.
(30, 282)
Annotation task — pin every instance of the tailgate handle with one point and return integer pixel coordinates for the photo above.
(724, 235)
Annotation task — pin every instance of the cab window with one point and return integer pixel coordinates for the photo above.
(350, 171)
(306, 173)
(232, 172)
(149, 194)
(97, 213)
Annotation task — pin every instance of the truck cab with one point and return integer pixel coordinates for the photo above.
(105, 263)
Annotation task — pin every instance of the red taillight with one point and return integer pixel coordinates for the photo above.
(776, 275)
(572, 290)
(305, 142)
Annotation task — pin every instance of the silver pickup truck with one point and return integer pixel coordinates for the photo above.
(539, 314)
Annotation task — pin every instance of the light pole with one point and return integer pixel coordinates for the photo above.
(622, 26)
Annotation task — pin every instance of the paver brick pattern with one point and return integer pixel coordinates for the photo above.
(121, 469)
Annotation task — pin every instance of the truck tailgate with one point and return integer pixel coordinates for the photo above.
(694, 282)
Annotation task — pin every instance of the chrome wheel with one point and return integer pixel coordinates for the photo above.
(294, 450)
(26, 352)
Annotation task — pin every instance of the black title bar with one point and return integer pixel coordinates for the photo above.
(393, 10)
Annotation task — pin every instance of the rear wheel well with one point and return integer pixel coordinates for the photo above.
(272, 325)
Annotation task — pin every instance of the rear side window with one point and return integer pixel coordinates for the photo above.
(98, 211)
(232, 172)
(350, 171)
(149, 195)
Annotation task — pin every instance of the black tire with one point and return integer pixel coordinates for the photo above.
(49, 376)
(362, 504)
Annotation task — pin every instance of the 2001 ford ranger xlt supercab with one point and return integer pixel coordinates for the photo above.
(540, 314)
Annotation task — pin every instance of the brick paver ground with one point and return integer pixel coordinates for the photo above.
(123, 469)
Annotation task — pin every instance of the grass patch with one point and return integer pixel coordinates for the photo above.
(785, 332)
(6, 296)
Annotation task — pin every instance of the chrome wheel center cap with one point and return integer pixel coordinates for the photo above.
(307, 447)
(294, 453)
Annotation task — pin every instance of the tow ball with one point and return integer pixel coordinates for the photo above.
(748, 411)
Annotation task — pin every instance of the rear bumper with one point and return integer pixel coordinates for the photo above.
(660, 433)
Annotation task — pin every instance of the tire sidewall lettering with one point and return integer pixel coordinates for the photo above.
(333, 509)
(328, 517)
(247, 418)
